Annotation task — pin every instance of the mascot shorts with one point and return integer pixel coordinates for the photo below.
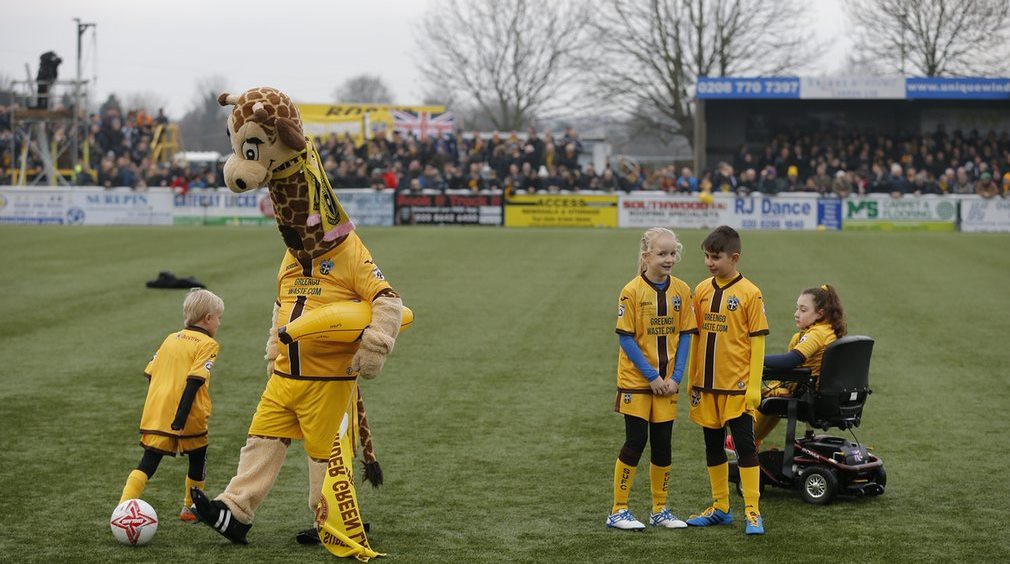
(305, 409)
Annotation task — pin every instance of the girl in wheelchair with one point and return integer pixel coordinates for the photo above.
(820, 319)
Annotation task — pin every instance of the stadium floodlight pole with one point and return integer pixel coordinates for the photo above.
(81, 28)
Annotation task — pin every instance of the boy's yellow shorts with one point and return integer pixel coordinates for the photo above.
(308, 410)
(643, 404)
(172, 445)
(715, 410)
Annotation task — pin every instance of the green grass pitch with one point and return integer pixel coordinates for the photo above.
(493, 419)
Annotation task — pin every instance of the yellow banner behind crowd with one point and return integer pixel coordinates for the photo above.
(360, 120)
(341, 528)
(561, 210)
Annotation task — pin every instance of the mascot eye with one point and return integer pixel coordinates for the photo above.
(251, 151)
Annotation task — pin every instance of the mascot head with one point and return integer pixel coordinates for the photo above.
(266, 133)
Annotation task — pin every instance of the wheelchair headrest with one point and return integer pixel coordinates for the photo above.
(846, 365)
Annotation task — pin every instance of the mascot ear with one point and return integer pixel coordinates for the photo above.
(226, 99)
(290, 133)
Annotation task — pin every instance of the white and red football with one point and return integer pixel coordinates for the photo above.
(134, 522)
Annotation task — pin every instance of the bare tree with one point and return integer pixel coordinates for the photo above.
(363, 89)
(513, 60)
(203, 126)
(651, 52)
(934, 37)
(147, 100)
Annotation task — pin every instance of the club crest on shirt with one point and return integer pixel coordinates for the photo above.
(620, 310)
(378, 273)
(208, 365)
(627, 398)
(741, 384)
(675, 302)
(695, 398)
(325, 266)
(732, 303)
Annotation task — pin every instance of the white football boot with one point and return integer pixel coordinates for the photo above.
(666, 519)
(625, 521)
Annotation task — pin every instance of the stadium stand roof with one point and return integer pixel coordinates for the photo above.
(852, 88)
(733, 110)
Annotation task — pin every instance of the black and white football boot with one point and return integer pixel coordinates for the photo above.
(216, 515)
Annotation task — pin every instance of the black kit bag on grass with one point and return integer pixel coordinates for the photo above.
(169, 280)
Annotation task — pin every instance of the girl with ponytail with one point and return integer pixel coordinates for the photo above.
(654, 328)
(820, 319)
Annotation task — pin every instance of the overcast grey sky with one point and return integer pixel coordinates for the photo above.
(166, 47)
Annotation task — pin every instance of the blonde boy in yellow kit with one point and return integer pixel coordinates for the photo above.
(726, 366)
(177, 408)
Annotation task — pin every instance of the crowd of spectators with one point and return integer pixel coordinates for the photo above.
(531, 162)
(853, 163)
(863, 163)
(849, 163)
(117, 154)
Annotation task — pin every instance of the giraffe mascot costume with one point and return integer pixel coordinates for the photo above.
(312, 383)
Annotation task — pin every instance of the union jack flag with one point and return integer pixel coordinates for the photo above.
(422, 124)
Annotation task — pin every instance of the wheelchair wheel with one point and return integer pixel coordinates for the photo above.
(818, 485)
(880, 477)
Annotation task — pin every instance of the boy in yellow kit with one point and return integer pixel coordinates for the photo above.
(178, 402)
(726, 368)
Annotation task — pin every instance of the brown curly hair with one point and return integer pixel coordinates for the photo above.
(826, 299)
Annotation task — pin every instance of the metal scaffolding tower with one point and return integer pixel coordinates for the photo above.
(47, 124)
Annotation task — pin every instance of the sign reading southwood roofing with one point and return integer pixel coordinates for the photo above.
(561, 210)
(679, 212)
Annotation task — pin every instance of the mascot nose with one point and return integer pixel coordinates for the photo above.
(240, 183)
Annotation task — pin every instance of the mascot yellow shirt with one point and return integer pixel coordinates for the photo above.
(346, 272)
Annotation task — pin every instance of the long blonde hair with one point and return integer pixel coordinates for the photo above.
(651, 235)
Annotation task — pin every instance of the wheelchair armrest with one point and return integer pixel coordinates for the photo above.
(800, 375)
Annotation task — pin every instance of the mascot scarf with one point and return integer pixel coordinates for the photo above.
(323, 204)
(338, 519)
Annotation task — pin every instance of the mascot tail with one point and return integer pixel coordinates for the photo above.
(373, 472)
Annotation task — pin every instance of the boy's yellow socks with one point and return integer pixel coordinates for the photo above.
(188, 499)
(134, 487)
(719, 478)
(750, 483)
